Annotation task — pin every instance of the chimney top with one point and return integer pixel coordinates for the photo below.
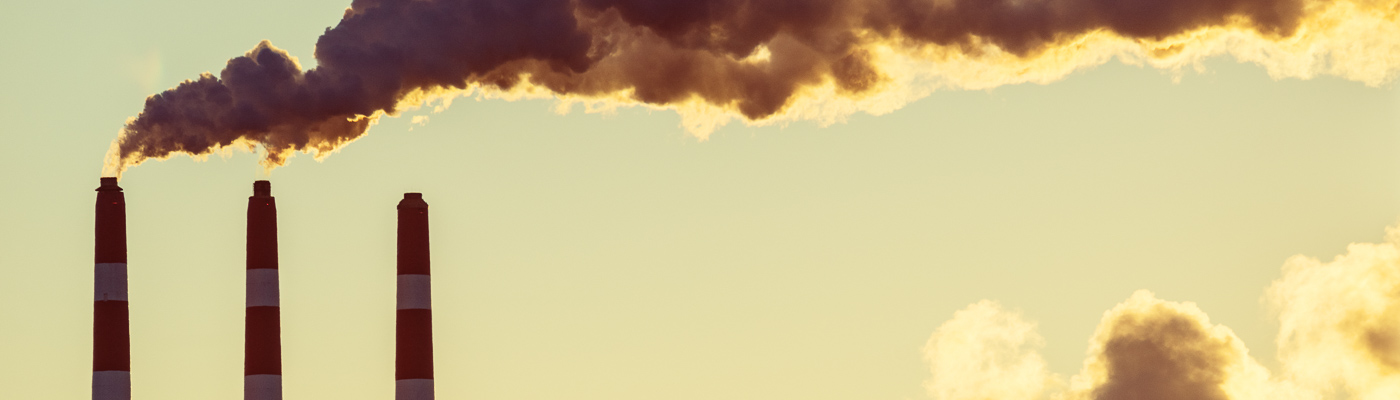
(109, 184)
(262, 188)
(413, 200)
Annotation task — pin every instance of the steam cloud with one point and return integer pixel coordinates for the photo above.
(762, 61)
(1339, 338)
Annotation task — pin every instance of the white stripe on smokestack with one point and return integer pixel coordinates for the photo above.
(111, 385)
(262, 341)
(262, 386)
(111, 282)
(413, 389)
(262, 288)
(415, 292)
(413, 358)
(111, 333)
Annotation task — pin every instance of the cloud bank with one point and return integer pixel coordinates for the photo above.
(1339, 339)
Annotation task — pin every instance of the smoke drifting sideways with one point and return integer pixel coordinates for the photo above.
(713, 61)
(1339, 338)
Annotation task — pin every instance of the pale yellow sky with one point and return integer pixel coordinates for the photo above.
(616, 256)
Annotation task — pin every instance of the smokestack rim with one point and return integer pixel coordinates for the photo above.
(262, 188)
(108, 184)
(412, 200)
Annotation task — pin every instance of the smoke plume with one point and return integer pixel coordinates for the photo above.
(1339, 338)
(761, 61)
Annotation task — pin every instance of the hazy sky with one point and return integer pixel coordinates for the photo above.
(617, 256)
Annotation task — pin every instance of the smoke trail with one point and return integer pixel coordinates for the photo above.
(762, 61)
(1339, 338)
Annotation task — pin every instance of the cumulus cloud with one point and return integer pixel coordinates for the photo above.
(987, 352)
(1340, 320)
(1339, 339)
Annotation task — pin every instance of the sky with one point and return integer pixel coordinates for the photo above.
(623, 255)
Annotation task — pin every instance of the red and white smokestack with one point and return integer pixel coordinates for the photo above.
(262, 335)
(111, 335)
(413, 369)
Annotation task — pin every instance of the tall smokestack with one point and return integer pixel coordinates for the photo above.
(262, 345)
(413, 369)
(111, 337)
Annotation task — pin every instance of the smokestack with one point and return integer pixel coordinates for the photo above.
(413, 369)
(111, 337)
(262, 345)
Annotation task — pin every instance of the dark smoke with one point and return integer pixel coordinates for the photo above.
(659, 52)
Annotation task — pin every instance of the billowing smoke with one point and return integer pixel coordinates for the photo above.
(761, 61)
(1339, 338)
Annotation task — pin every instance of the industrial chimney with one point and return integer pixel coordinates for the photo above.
(111, 337)
(413, 369)
(262, 340)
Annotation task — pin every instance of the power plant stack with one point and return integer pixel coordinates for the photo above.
(262, 362)
(111, 334)
(413, 369)
(262, 340)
